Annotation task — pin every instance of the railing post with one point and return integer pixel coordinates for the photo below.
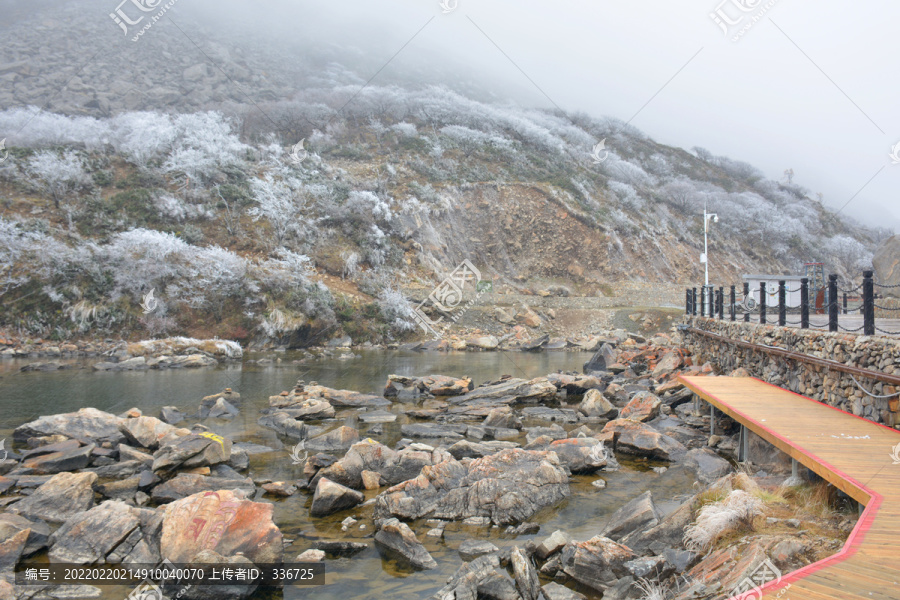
(868, 303)
(746, 295)
(733, 307)
(762, 302)
(832, 303)
(687, 302)
(804, 303)
(721, 303)
(703, 301)
(845, 303)
(694, 301)
(782, 303)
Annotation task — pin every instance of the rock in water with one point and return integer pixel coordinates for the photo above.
(595, 405)
(637, 515)
(397, 538)
(86, 424)
(146, 432)
(61, 497)
(93, 536)
(338, 439)
(507, 487)
(637, 438)
(331, 497)
(525, 575)
(643, 407)
(710, 466)
(604, 357)
(188, 484)
(597, 563)
(221, 521)
(191, 451)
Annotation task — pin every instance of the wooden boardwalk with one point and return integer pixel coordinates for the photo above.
(853, 454)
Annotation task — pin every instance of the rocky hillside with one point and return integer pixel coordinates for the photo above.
(186, 180)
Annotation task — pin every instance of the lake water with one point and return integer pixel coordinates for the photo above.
(25, 396)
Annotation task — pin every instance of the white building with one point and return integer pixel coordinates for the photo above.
(792, 285)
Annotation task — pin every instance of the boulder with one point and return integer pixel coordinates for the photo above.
(435, 385)
(552, 545)
(643, 407)
(285, 424)
(224, 522)
(191, 451)
(554, 591)
(616, 394)
(637, 515)
(468, 579)
(221, 409)
(397, 538)
(595, 405)
(632, 437)
(64, 459)
(146, 432)
(581, 455)
(92, 536)
(333, 497)
(507, 487)
(601, 359)
(668, 533)
(525, 575)
(471, 549)
(311, 410)
(502, 417)
(508, 391)
(88, 424)
(487, 342)
(61, 497)
(333, 441)
(338, 398)
(433, 430)
(120, 489)
(171, 415)
(887, 266)
(669, 363)
(190, 484)
(710, 467)
(597, 563)
(11, 550)
(213, 563)
(391, 466)
(38, 532)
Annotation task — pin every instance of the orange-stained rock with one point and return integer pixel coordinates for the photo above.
(223, 522)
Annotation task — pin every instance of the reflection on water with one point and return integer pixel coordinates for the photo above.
(25, 396)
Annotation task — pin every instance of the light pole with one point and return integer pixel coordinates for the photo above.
(705, 258)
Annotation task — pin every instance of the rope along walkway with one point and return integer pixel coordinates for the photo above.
(851, 453)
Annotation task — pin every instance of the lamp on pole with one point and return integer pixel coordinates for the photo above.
(705, 258)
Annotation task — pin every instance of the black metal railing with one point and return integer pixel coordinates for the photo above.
(712, 303)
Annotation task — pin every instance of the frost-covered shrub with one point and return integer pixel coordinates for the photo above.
(405, 129)
(58, 175)
(143, 137)
(32, 127)
(281, 203)
(204, 144)
(396, 310)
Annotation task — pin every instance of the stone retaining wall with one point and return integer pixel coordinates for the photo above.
(833, 388)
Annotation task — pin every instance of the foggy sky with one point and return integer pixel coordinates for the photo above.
(818, 95)
(824, 104)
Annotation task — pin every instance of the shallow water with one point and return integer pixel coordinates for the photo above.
(25, 396)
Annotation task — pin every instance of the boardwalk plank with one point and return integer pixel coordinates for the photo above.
(849, 452)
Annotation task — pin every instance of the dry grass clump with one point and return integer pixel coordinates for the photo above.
(737, 510)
